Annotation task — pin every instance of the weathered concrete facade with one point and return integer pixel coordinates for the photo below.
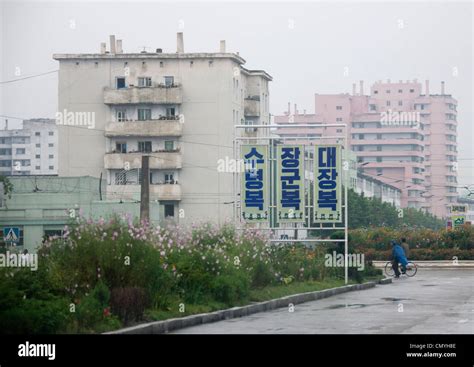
(179, 108)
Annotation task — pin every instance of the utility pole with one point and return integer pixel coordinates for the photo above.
(145, 190)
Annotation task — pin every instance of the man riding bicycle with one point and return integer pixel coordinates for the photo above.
(398, 257)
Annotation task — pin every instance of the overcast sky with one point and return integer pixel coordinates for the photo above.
(305, 46)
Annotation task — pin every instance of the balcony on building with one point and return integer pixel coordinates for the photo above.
(164, 126)
(158, 94)
(162, 191)
(252, 106)
(171, 159)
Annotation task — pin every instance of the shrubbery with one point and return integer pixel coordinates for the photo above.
(425, 244)
(110, 272)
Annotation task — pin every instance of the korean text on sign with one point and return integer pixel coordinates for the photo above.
(254, 183)
(290, 194)
(327, 189)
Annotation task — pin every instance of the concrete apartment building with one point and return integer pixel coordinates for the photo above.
(31, 150)
(179, 108)
(401, 136)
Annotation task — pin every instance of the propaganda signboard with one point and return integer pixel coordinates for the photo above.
(327, 184)
(254, 192)
(290, 183)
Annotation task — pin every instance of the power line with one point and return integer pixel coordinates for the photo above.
(28, 77)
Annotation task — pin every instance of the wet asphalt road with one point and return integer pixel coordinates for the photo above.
(434, 301)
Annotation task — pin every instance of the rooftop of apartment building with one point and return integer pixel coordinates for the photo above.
(28, 124)
(115, 51)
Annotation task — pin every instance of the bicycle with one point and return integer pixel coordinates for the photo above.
(411, 269)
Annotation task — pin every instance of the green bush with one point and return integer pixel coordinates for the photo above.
(230, 288)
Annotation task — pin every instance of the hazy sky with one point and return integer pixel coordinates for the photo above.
(305, 47)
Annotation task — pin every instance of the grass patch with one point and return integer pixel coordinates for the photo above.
(256, 295)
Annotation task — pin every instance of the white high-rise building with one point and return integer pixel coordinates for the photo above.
(179, 108)
(31, 150)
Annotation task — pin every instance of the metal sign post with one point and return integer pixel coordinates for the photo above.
(243, 143)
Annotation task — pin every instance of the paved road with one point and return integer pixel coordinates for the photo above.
(434, 301)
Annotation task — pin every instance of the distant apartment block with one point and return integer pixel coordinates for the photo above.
(32, 150)
(179, 108)
(401, 136)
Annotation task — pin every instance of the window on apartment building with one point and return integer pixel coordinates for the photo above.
(379, 170)
(144, 81)
(169, 210)
(161, 64)
(20, 140)
(388, 103)
(121, 147)
(51, 133)
(51, 145)
(144, 114)
(338, 119)
(388, 91)
(144, 146)
(120, 82)
(339, 108)
(170, 112)
(120, 178)
(51, 156)
(121, 115)
(372, 107)
(379, 159)
(376, 92)
(38, 156)
(37, 133)
(37, 168)
(400, 103)
(379, 148)
(20, 150)
(169, 81)
(339, 130)
(51, 168)
(361, 136)
(400, 91)
(169, 145)
(38, 145)
(5, 163)
(5, 151)
(379, 136)
(169, 178)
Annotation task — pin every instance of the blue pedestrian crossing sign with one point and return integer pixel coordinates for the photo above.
(11, 234)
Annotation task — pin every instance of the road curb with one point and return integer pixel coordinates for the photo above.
(165, 326)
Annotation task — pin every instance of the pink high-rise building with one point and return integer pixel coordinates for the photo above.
(401, 136)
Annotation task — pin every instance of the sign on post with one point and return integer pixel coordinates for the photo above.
(458, 220)
(11, 235)
(254, 193)
(290, 183)
(327, 184)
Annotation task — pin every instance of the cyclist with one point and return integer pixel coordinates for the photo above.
(398, 256)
